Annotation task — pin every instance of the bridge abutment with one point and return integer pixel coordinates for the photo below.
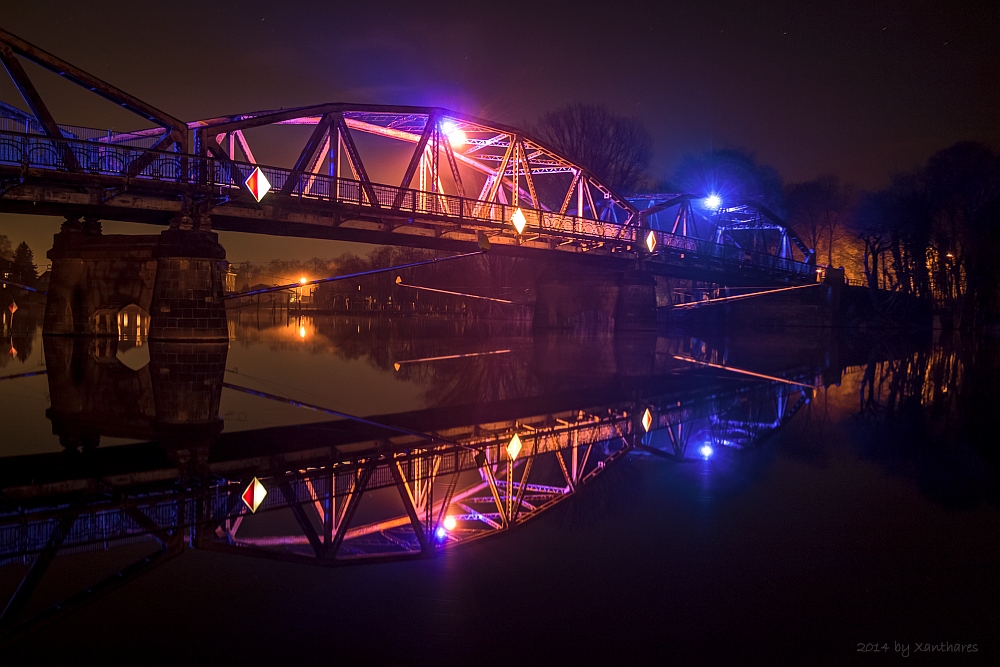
(595, 302)
(190, 284)
(177, 278)
(93, 277)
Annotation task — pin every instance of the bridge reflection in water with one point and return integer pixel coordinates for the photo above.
(350, 491)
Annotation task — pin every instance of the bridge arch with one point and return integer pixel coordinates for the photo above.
(745, 224)
(446, 153)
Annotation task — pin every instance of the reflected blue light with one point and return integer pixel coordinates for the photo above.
(713, 202)
(706, 451)
(441, 533)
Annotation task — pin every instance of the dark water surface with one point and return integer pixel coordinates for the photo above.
(790, 498)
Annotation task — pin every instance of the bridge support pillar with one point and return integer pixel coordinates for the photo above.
(94, 276)
(176, 278)
(187, 382)
(595, 302)
(190, 282)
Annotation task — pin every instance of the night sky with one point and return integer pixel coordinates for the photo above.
(858, 89)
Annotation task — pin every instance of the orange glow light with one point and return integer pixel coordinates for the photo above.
(518, 220)
(457, 138)
(514, 447)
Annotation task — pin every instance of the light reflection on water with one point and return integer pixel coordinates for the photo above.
(451, 390)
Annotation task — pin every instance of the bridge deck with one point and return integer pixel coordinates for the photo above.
(142, 185)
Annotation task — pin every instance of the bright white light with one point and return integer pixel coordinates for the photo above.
(456, 137)
(302, 280)
(706, 451)
(450, 523)
(713, 202)
(518, 220)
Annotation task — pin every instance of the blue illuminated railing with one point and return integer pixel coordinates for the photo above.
(99, 157)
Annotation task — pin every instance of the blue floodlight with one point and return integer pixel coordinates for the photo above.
(713, 202)
(441, 533)
(706, 452)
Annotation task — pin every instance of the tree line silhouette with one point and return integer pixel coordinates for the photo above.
(933, 233)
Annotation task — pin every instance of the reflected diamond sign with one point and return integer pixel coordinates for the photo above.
(254, 495)
(514, 447)
(647, 420)
(12, 307)
(257, 183)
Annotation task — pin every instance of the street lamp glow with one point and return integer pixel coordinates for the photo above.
(302, 332)
(713, 202)
(651, 241)
(449, 523)
(303, 280)
(518, 220)
(514, 447)
(706, 451)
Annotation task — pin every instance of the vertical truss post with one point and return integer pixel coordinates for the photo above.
(488, 469)
(569, 193)
(523, 485)
(303, 520)
(453, 164)
(305, 159)
(404, 495)
(360, 483)
(355, 159)
(416, 158)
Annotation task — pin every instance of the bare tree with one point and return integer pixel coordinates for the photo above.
(615, 148)
(6, 250)
(819, 211)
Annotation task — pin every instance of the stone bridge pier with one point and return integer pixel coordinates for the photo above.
(165, 391)
(594, 302)
(176, 279)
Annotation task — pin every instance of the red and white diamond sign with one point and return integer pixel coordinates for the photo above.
(254, 495)
(12, 307)
(257, 183)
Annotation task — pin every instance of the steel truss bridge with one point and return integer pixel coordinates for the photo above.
(463, 177)
(139, 495)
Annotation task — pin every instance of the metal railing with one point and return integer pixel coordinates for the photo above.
(31, 151)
